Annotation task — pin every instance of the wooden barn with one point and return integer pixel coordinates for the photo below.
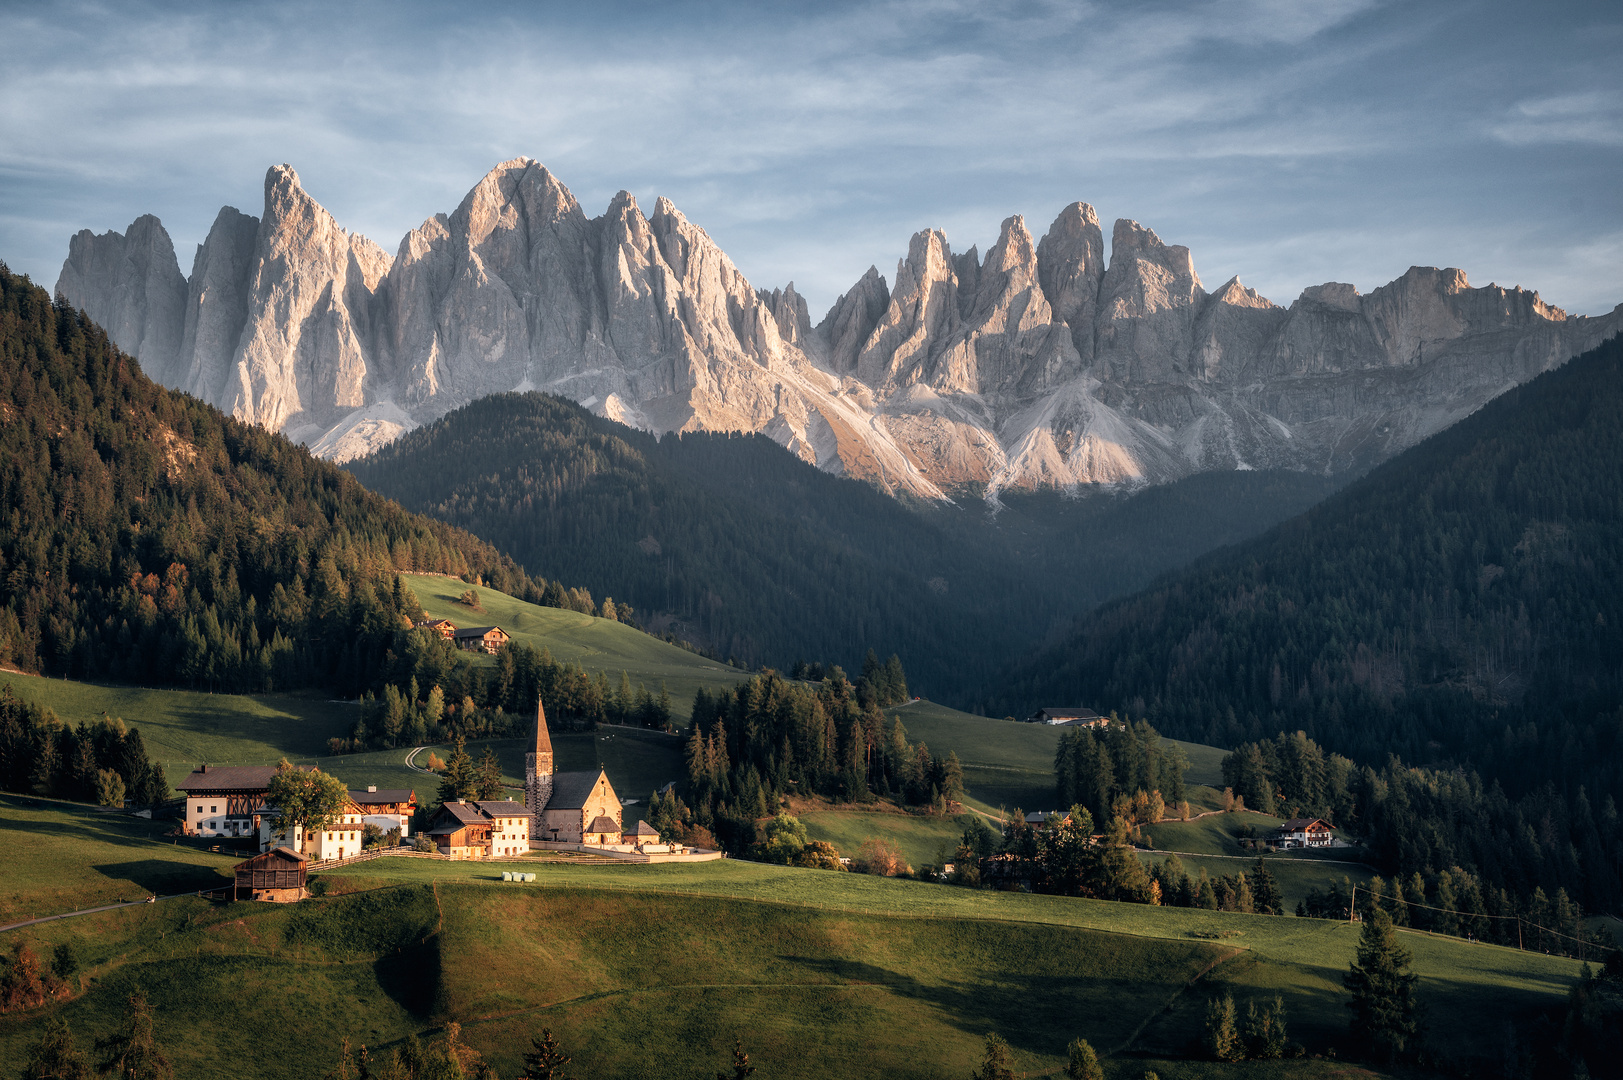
(277, 876)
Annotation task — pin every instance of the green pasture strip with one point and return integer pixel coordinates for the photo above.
(1217, 834)
(183, 728)
(596, 644)
(811, 992)
(1027, 749)
(65, 856)
(1296, 877)
(921, 840)
(229, 982)
(1285, 939)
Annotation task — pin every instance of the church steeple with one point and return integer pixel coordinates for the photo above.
(538, 771)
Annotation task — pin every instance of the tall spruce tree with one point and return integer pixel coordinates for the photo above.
(1386, 1013)
(458, 781)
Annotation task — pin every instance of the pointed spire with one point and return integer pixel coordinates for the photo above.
(543, 740)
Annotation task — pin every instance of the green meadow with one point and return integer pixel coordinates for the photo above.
(593, 643)
(921, 840)
(647, 971)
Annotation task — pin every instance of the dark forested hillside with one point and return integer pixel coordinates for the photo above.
(1460, 606)
(737, 544)
(146, 537)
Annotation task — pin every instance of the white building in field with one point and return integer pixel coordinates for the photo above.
(224, 800)
(339, 840)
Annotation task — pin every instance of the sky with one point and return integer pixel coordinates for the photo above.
(1286, 142)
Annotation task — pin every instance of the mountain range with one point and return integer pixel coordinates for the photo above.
(1038, 365)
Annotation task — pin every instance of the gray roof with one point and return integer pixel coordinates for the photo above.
(645, 829)
(381, 795)
(476, 631)
(228, 778)
(466, 813)
(570, 790)
(501, 807)
(602, 823)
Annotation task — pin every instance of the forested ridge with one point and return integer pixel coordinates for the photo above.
(736, 544)
(146, 537)
(1460, 608)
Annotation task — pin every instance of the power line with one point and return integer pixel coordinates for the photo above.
(1520, 921)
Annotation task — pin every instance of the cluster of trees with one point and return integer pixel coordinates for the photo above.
(1431, 829)
(146, 537)
(1261, 1038)
(997, 1061)
(466, 700)
(1592, 1027)
(1120, 769)
(882, 684)
(461, 779)
(130, 1051)
(1061, 856)
(770, 737)
(100, 762)
(760, 557)
(1460, 607)
(1255, 893)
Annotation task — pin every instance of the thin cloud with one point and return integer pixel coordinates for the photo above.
(810, 141)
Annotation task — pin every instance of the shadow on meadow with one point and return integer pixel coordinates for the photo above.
(164, 876)
(1036, 1013)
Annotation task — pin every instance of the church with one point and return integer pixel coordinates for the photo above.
(571, 807)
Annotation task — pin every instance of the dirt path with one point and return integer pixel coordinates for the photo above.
(1173, 1000)
(86, 911)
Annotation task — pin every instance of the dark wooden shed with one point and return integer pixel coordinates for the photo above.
(277, 876)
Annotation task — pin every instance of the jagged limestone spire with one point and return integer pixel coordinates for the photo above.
(538, 771)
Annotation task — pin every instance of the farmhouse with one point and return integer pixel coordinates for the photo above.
(224, 800)
(1068, 718)
(340, 838)
(445, 628)
(1303, 832)
(488, 639)
(387, 808)
(278, 875)
(481, 828)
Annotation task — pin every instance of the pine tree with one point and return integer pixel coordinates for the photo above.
(56, 1056)
(546, 1060)
(458, 781)
(998, 1064)
(1265, 1029)
(1083, 1063)
(1223, 1030)
(132, 1051)
(1386, 1014)
(742, 1068)
(489, 782)
(1265, 890)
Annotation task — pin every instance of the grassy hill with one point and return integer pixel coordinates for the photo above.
(1012, 764)
(653, 971)
(596, 644)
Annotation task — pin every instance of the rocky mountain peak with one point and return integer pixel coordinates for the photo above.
(1040, 364)
(131, 285)
(1235, 294)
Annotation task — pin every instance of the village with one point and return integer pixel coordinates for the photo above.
(571, 811)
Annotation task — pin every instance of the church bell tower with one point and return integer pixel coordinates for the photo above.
(538, 772)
